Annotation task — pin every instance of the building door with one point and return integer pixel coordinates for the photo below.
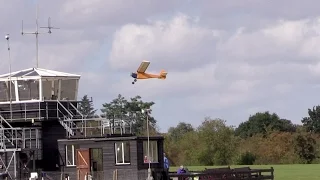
(83, 163)
(96, 158)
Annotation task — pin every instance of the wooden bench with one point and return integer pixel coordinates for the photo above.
(243, 172)
(217, 173)
(226, 173)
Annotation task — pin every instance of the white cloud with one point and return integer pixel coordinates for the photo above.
(165, 43)
(239, 68)
(282, 88)
(244, 56)
(103, 12)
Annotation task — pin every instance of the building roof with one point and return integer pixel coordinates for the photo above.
(38, 72)
(114, 137)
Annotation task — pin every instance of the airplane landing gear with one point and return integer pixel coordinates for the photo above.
(135, 80)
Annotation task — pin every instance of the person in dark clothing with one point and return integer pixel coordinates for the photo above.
(181, 170)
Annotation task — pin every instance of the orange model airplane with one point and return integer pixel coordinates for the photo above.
(141, 73)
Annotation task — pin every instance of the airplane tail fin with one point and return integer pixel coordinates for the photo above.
(163, 74)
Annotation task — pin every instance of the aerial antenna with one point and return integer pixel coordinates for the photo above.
(49, 27)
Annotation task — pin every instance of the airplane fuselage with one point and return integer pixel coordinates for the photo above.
(144, 76)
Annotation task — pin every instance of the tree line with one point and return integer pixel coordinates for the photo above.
(264, 138)
(122, 108)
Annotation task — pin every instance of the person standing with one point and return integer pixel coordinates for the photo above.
(166, 166)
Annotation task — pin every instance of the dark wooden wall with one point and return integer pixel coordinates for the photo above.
(125, 172)
(51, 132)
(109, 164)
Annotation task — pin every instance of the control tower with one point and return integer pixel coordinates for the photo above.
(42, 102)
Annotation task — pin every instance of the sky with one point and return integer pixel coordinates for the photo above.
(225, 59)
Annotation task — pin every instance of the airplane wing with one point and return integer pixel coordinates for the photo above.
(143, 66)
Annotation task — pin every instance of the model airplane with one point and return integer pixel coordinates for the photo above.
(141, 73)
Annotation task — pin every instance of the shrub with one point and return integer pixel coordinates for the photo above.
(247, 158)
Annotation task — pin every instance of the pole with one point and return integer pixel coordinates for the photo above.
(10, 82)
(37, 33)
(148, 144)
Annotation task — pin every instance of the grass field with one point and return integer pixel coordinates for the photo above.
(281, 172)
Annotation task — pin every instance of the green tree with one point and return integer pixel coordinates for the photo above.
(180, 143)
(86, 107)
(189, 146)
(312, 123)
(130, 110)
(180, 130)
(87, 110)
(305, 147)
(261, 123)
(218, 144)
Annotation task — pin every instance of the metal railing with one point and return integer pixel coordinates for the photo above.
(66, 110)
(19, 138)
(40, 111)
(70, 117)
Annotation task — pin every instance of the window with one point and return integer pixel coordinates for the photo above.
(5, 91)
(71, 155)
(153, 152)
(68, 89)
(122, 151)
(28, 89)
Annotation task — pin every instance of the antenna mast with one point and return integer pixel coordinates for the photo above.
(49, 27)
(10, 82)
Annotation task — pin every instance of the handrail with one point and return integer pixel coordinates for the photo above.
(65, 108)
(65, 123)
(65, 118)
(3, 119)
(77, 110)
(4, 136)
(17, 141)
(68, 129)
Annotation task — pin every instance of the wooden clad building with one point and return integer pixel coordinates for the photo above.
(113, 157)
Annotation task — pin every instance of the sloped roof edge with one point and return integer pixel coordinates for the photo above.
(40, 72)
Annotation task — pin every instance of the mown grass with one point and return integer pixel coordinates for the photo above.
(281, 172)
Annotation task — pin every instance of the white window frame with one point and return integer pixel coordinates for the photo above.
(73, 161)
(145, 151)
(123, 152)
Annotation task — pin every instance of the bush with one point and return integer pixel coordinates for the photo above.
(247, 158)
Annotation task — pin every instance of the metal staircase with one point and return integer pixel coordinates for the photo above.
(64, 119)
(10, 137)
(13, 140)
(67, 125)
(69, 120)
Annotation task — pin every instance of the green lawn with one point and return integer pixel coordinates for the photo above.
(281, 172)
